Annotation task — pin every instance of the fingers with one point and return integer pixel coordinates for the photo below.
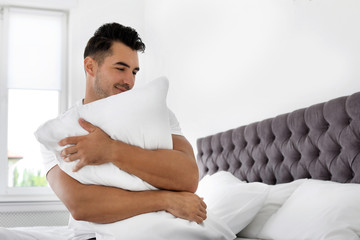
(69, 141)
(202, 212)
(68, 151)
(199, 219)
(188, 206)
(203, 203)
(74, 140)
(78, 166)
(73, 157)
(86, 125)
(70, 154)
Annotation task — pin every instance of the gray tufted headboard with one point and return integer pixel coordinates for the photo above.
(320, 142)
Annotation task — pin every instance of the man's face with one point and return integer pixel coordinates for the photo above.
(117, 72)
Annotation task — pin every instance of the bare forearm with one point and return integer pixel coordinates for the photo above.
(165, 169)
(117, 204)
(170, 169)
(129, 204)
(102, 204)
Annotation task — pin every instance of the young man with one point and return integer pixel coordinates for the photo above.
(111, 63)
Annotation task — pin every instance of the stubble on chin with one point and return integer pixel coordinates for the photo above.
(99, 91)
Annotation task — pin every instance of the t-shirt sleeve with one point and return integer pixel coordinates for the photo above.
(49, 158)
(174, 124)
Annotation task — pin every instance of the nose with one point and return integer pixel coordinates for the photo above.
(129, 80)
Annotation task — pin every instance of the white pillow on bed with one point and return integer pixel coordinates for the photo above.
(234, 201)
(277, 196)
(158, 226)
(317, 210)
(138, 117)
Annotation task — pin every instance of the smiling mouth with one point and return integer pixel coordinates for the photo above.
(121, 88)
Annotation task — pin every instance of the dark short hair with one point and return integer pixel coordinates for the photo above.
(98, 46)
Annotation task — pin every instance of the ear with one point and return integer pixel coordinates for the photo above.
(90, 66)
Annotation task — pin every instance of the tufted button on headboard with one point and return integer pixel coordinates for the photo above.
(320, 142)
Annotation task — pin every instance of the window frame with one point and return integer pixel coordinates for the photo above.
(21, 194)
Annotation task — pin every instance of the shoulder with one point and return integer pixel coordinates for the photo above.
(174, 123)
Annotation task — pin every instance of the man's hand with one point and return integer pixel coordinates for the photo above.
(90, 149)
(102, 204)
(168, 169)
(187, 205)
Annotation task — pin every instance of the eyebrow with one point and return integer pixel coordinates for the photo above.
(126, 65)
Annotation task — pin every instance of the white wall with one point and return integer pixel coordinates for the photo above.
(232, 62)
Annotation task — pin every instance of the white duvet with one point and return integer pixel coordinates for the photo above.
(138, 117)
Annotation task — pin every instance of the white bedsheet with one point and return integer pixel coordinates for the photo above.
(43, 233)
(47, 233)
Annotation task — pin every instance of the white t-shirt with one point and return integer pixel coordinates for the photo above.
(50, 161)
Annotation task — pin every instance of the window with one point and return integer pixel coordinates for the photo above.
(32, 91)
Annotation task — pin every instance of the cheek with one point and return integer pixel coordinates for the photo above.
(114, 75)
(109, 78)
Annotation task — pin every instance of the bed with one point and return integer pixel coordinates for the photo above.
(309, 158)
